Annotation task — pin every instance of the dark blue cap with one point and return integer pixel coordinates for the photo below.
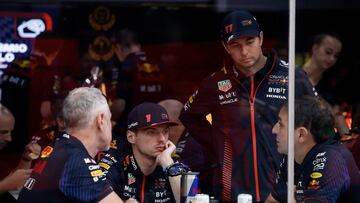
(148, 115)
(237, 24)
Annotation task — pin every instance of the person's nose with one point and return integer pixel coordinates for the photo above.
(163, 136)
(244, 51)
(275, 128)
(333, 59)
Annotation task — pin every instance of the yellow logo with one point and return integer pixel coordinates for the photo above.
(113, 144)
(314, 182)
(148, 67)
(46, 152)
(191, 99)
(104, 165)
(316, 175)
(96, 173)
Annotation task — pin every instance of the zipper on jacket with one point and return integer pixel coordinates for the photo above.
(253, 135)
(143, 190)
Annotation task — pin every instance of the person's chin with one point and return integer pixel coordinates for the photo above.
(158, 151)
(247, 62)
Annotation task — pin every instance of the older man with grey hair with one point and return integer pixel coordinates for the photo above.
(66, 171)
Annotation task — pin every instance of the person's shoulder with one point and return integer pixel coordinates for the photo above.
(274, 60)
(65, 143)
(328, 147)
(300, 72)
(119, 143)
(119, 149)
(330, 152)
(222, 74)
(339, 149)
(282, 64)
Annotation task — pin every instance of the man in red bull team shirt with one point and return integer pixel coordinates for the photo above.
(243, 99)
(144, 170)
(326, 170)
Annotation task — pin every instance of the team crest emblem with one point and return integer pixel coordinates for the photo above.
(102, 19)
(224, 85)
(101, 49)
(131, 179)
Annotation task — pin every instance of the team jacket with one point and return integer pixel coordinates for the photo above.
(327, 174)
(128, 181)
(189, 152)
(140, 80)
(65, 172)
(243, 111)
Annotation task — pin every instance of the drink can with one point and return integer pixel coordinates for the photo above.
(202, 198)
(189, 186)
(244, 198)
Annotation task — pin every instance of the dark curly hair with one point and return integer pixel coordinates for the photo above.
(315, 114)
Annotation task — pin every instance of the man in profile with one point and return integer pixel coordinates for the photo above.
(327, 171)
(66, 170)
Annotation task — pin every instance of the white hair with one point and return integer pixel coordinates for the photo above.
(81, 106)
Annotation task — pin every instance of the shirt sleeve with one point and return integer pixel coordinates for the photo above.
(83, 180)
(194, 115)
(303, 85)
(279, 191)
(328, 179)
(111, 168)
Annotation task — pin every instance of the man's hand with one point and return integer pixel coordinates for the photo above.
(32, 151)
(15, 180)
(164, 158)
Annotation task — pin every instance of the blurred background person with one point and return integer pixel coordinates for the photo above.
(30, 87)
(324, 53)
(141, 79)
(13, 178)
(187, 148)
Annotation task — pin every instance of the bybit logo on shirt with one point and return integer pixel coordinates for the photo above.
(276, 92)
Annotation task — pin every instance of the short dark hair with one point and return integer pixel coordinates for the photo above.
(315, 114)
(125, 37)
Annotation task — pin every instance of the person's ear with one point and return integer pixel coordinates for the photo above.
(303, 134)
(100, 121)
(225, 46)
(261, 37)
(130, 135)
